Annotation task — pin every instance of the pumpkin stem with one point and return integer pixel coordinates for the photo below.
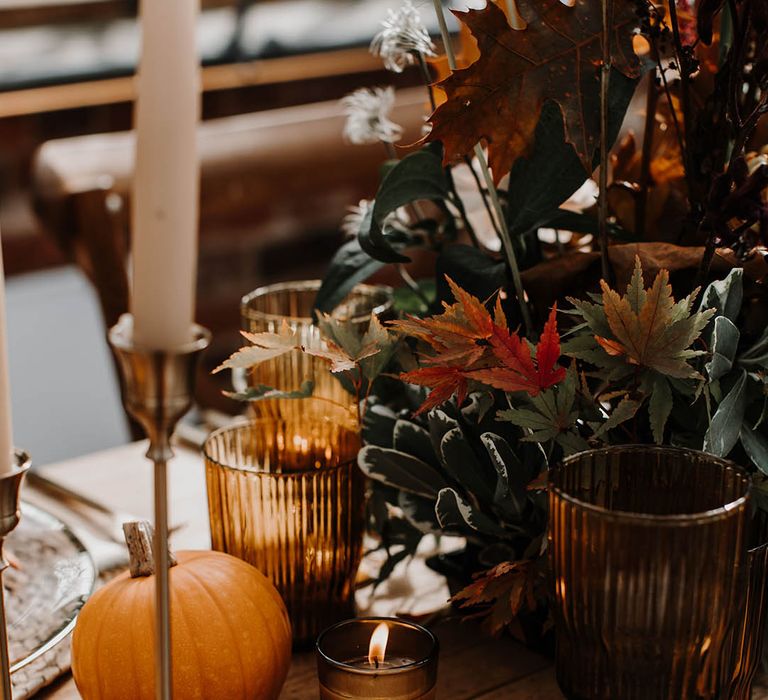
(138, 536)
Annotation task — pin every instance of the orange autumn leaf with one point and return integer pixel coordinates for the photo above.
(502, 593)
(454, 334)
(516, 370)
(500, 96)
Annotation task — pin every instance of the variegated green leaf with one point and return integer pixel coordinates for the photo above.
(400, 470)
(756, 446)
(261, 392)
(414, 440)
(456, 515)
(723, 432)
(725, 341)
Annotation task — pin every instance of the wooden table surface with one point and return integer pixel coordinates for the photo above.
(472, 665)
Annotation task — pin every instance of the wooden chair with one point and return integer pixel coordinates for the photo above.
(274, 187)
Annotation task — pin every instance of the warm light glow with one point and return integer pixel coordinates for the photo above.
(378, 645)
(640, 45)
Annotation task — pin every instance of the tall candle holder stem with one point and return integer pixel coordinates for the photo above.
(159, 389)
(10, 486)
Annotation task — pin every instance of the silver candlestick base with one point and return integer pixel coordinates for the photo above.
(159, 389)
(10, 487)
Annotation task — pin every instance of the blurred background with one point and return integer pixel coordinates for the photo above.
(277, 178)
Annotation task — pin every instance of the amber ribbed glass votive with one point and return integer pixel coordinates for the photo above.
(648, 546)
(287, 496)
(266, 308)
(749, 632)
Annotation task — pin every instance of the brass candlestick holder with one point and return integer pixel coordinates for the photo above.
(10, 486)
(159, 387)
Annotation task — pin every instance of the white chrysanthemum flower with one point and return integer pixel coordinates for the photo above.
(402, 38)
(367, 111)
(351, 223)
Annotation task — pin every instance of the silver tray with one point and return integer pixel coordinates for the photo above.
(50, 578)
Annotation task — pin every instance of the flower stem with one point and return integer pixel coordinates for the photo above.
(641, 208)
(506, 240)
(447, 45)
(456, 199)
(605, 75)
(685, 97)
(483, 194)
(427, 79)
(412, 284)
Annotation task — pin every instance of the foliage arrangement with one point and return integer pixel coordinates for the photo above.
(533, 328)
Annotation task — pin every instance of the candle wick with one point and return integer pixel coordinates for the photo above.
(376, 661)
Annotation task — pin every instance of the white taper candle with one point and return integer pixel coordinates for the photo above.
(6, 432)
(166, 179)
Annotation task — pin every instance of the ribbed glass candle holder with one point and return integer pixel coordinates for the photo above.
(749, 632)
(648, 547)
(266, 308)
(287, 496)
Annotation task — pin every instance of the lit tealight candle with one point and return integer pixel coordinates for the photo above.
(377, 659)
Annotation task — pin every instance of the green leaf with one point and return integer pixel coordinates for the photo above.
(349, 266)
(414, 440)
(659, 407)
(566, 391)
(461, 462)
(400, 470)
(406, 301)
(571, 443)
(439, 424)
(553, 172)
(377, 336)
(757, 355)
(567, 220)
(723, 432)
(624, 410)
(594, 315)
(378, 424)
(510, 494)
(725, 295)
(725, 341)
(477, 406)
(419, 512)
(419, 175)
(756, 447)
(525, 418)
(472, 269)
(455, 514)
(260, 392)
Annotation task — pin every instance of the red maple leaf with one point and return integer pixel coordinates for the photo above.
(469, 344)
(444, 382)
(516, 370)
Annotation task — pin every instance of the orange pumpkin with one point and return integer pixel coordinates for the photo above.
(230, 634)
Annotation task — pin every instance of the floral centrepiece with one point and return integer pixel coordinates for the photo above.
(544, 329)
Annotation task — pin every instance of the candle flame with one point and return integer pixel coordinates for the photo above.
(378, 645)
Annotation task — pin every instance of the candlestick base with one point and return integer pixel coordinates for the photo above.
(159, 389)
(10, 486)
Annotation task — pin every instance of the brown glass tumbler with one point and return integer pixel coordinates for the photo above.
(288, 497)
(749, 631)
(648, 547)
